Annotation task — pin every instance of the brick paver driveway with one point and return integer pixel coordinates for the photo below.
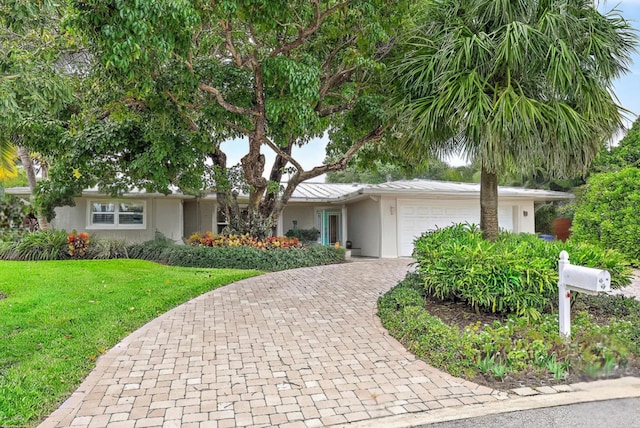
(301, 348)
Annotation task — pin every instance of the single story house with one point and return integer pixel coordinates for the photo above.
(380, 220)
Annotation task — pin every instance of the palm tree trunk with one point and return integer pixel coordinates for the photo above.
(489, 204)
(27, 164)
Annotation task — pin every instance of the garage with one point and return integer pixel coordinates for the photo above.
(416, 216)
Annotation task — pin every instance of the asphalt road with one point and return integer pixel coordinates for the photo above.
(623, 413)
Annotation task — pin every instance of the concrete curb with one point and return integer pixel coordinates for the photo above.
(583, 392)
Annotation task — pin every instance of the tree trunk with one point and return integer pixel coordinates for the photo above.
(489, 204)
(27, 164)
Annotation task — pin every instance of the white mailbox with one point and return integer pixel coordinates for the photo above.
(586, 280)
(576, 278)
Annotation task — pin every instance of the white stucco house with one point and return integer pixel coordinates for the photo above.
(380, 220)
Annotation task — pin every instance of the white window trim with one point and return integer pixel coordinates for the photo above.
(117, 226)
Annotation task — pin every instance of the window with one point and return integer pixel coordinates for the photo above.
(116, 214)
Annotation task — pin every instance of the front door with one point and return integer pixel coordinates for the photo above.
(329, 224)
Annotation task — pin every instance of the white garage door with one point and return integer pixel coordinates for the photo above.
(418, 216)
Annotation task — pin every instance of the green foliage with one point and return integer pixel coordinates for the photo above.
(378, 165)
(625, 154)
(59, 317)
(607, 212)
(108, 249)
(402, 312)
(516, 274)
(237, 257)
(42, 245)
(516, 347)
(173, 80)
(12, 211)
(306, 236)
(506, 83)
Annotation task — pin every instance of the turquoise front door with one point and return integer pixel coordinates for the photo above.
(328, 223)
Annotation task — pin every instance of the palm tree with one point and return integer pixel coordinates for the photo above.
(8, 168)
(512, 84)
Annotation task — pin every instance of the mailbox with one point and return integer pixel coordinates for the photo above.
(586, 280)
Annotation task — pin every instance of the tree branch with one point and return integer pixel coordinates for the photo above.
(283, 154)
(303, 34)
(226, 26)
(329, 110)
(192, 125)
(235, 127)
(223, 103)
(341, 163)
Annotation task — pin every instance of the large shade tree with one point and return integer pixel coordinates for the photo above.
(514, 85)
(179, 78)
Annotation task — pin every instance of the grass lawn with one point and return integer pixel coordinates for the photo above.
(57, 317)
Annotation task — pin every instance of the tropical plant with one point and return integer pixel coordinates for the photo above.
(43, 245)
(515, 274)
(513, 85)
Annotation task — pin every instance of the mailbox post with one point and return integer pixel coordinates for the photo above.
(576, 278)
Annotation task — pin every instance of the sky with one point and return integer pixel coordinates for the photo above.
(626, 88)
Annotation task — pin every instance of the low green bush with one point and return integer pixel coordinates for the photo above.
(306, 236)
(236, 257)
(402, 312)
(516, 274)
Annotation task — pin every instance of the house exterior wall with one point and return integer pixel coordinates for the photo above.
(168, 218)
(522, 214)
(363, 227)
(199, 216)
(389, 227)
(303, 214)
(70, 218)
(161, 214)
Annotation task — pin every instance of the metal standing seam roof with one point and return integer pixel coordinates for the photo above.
(343, 192)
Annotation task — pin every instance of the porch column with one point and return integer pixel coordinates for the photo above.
(280, 226)
(344, 226)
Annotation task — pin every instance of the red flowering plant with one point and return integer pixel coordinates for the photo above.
(208, 239)
(78, 244)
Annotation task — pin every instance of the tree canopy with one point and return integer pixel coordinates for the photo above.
(625, 153)
(514, 85)
(174, 79)
(35, 90)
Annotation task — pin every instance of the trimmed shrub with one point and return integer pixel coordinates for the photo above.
(156, 250)
(402, 312)
(239, 257)
(306, 236)
(607, 213)
(516, 274)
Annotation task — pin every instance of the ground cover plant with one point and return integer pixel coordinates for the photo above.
(205, 251)
(507, 352)
(57, 318)
(487, 311)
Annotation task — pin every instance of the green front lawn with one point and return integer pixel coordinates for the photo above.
(57, 317)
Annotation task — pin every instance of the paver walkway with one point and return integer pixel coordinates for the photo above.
(300, 348)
